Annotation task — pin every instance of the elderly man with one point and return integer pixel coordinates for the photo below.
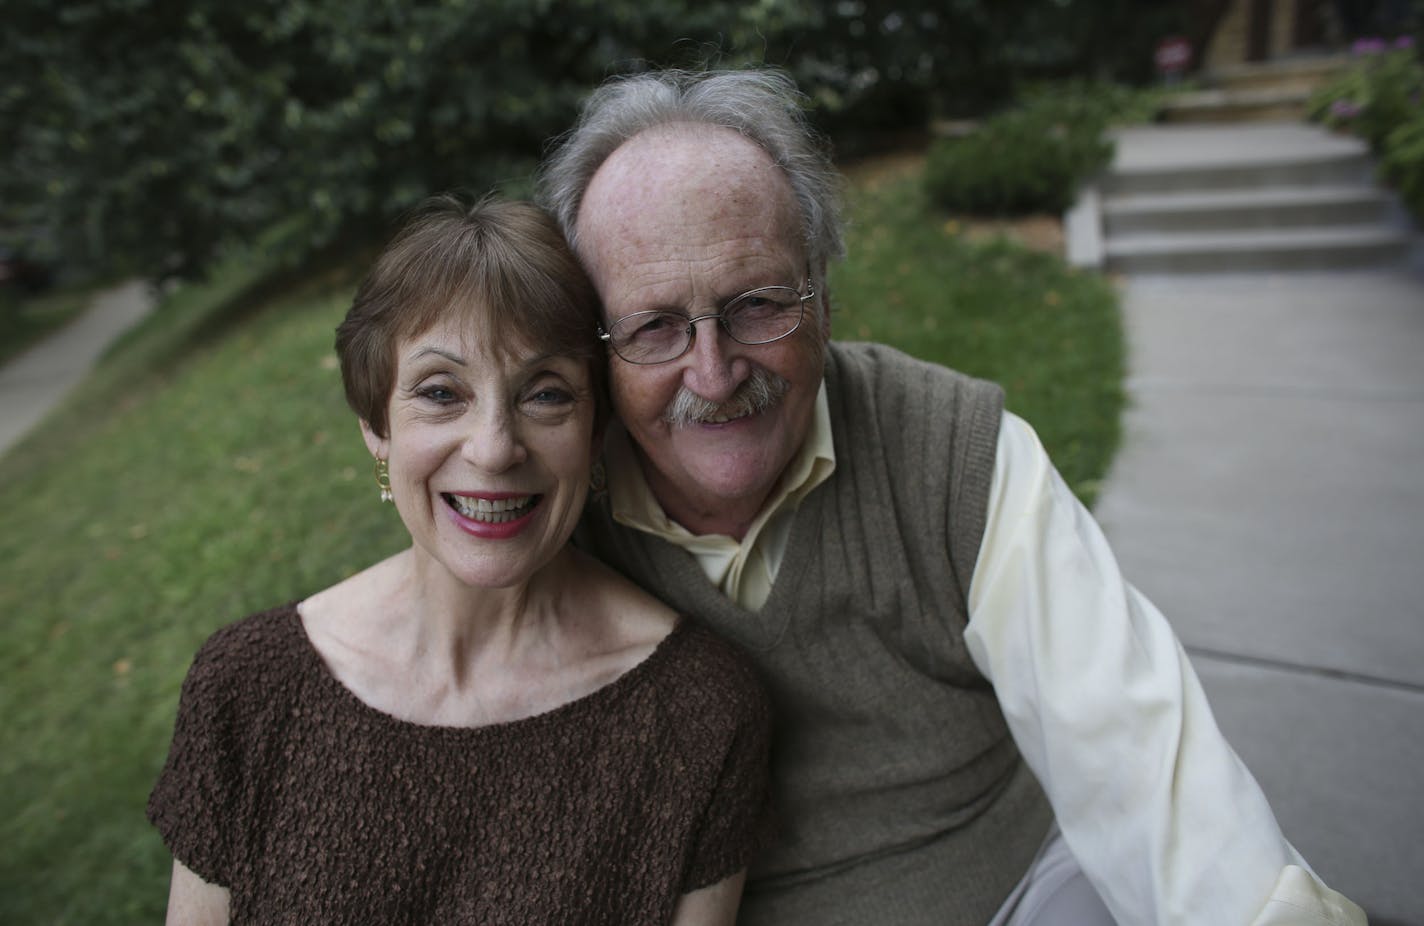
(974, 709)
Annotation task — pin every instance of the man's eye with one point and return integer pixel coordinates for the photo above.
(757, 306)
(652, 326)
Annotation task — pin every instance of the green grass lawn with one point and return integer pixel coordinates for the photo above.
(210, 468)
(1050, 335)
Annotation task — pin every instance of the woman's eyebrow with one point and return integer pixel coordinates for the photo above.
(441, 352)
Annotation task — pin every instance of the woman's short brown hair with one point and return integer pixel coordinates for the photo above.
(504, 266)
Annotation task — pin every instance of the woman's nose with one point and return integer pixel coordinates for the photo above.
(494, 443)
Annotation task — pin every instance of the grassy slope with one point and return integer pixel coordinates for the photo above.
(1050, 335)
(210, 468)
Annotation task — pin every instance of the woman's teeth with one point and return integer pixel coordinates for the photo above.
(492, 510)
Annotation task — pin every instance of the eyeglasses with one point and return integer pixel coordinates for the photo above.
(757, 317)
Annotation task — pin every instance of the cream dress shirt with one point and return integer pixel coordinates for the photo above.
(1101, 699)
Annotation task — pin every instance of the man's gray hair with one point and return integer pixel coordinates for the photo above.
(763, 105)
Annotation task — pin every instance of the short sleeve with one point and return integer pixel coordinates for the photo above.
(193, 803)
(738, 820)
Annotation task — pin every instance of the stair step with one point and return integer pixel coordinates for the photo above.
(1304, 73)
(1186, 146)
(1278, 207)
(1301, 171)
(1233, 198)
(1227, 105)
(1295, 249)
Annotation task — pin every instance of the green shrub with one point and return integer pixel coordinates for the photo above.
(162, 133)
(1029, 159)
(1106, 104)
(1378, 98)
(1378, 92)
(159, 134)
(1402, 163)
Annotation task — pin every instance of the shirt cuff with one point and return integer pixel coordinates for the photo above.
(1300, 899)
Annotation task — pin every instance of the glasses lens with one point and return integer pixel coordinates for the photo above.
(649, 337)
(763, 314)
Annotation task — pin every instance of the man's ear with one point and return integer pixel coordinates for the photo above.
(824, 297)
(380, 447)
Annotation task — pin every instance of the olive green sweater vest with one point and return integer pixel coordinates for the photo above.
(901, 796)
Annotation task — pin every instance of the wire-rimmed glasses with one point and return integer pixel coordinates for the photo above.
(760, 316)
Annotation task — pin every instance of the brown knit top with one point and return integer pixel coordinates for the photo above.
(312, 807)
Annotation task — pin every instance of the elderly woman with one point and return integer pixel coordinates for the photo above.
(488, 727)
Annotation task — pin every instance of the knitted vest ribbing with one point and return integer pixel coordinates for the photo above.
(901, 796)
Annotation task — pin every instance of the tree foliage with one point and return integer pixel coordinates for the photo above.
(156, 131)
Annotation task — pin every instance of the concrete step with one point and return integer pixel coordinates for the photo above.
(1303, 74)
(1278, 90)
(1185, 146)
(1275, 207)
(1233, 198)
(1298, 170)
(1269, 104)
(1250, 251)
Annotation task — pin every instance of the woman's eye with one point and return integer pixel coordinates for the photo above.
(440, 395)
(550, 395)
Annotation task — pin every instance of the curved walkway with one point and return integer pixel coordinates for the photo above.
(32, 384)
(1269, 497)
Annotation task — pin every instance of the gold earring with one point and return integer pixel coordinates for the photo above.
(383, 479)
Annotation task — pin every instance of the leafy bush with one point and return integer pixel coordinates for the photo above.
(158, 133)
(1379, 98)
(1403, 162)
(1106, 104)
(1380, 90)
(1033, 158)
(877, 66)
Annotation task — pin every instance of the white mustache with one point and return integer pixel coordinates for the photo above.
(757, 393)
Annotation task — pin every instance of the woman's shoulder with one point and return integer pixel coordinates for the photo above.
(714, 674)
(254, 634)
(245, 654)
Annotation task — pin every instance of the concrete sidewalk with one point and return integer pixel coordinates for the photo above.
(35, 382)
(1269, 497)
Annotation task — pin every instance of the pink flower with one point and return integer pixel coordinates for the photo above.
(1344, 109)
(1404, 41)
(1368, 46)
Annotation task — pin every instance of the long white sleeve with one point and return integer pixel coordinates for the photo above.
(1160, 812)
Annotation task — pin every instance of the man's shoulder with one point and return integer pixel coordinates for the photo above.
(899, 385)
(881, 364)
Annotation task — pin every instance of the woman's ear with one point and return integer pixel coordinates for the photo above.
(380, 447)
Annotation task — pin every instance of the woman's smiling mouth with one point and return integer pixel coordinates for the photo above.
(492, 510)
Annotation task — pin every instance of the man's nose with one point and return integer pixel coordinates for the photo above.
(493, 443)
(715, 367)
